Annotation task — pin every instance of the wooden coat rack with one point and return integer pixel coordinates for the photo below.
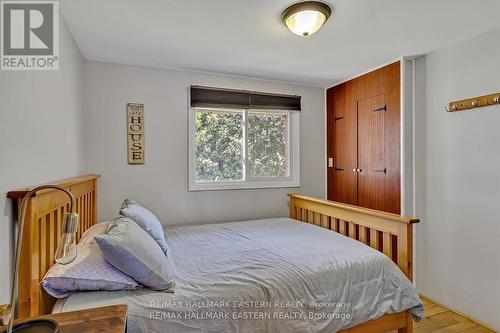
(474, 103)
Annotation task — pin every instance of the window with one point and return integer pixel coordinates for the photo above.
(243, 148)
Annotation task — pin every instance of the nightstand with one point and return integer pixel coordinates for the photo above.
(109, 319)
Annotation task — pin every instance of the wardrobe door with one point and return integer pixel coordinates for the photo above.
(364, 135)
(345, 154)
(375, 150)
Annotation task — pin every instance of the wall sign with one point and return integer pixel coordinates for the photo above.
(135, 133)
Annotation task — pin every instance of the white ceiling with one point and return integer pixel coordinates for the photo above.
(246, 37)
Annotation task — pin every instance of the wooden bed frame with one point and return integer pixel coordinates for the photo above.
(388, 233)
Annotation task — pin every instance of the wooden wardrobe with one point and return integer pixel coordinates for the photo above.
(363, 134)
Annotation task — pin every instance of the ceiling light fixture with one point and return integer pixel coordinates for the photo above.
(305, 18)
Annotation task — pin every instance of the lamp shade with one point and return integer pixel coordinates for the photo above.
(305, 18)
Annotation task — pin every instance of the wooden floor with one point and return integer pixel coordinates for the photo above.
(440, 320)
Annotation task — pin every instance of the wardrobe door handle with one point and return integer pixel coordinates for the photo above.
(357, 170)
(382, 109)
(384, 170)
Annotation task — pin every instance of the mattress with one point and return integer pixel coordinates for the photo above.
(270, 275)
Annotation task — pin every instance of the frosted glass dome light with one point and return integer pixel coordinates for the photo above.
(305, 18)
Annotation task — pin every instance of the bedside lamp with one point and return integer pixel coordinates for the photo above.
(65, 254)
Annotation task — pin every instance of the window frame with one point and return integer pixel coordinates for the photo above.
(292, 180)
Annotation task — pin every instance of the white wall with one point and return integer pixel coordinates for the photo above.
(162, 183)
(458, 179)
(40, 136)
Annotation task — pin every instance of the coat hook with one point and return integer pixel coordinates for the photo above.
(453, 108)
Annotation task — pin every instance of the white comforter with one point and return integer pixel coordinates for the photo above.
(272, 275)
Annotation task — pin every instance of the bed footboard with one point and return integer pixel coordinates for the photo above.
(388, 233)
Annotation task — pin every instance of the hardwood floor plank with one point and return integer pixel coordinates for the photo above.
(433, 310)
(440, 320)
(459, 327)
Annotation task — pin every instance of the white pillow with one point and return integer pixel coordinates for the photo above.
(89, 271)
(96, 229)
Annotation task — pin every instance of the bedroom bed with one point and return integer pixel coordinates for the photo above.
(345, 269)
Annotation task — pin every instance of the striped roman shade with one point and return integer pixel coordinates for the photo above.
(209, 97)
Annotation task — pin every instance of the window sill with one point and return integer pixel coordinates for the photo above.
(242, 185)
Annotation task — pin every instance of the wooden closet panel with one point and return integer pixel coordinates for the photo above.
(373, 191)
(345, 159)
(393, 142)
(389, 82)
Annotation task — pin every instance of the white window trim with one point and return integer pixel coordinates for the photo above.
(293, 180)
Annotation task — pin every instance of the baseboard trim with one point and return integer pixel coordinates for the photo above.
(457, 312)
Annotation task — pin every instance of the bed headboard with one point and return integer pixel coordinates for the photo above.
(42, 229)
(388, 233)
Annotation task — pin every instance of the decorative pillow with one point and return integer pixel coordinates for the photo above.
(130, 249)
(89, 271)
(96, 229)
(146, 220)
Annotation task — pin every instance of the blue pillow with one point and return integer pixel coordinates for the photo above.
(146, 220)
(131, 250)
